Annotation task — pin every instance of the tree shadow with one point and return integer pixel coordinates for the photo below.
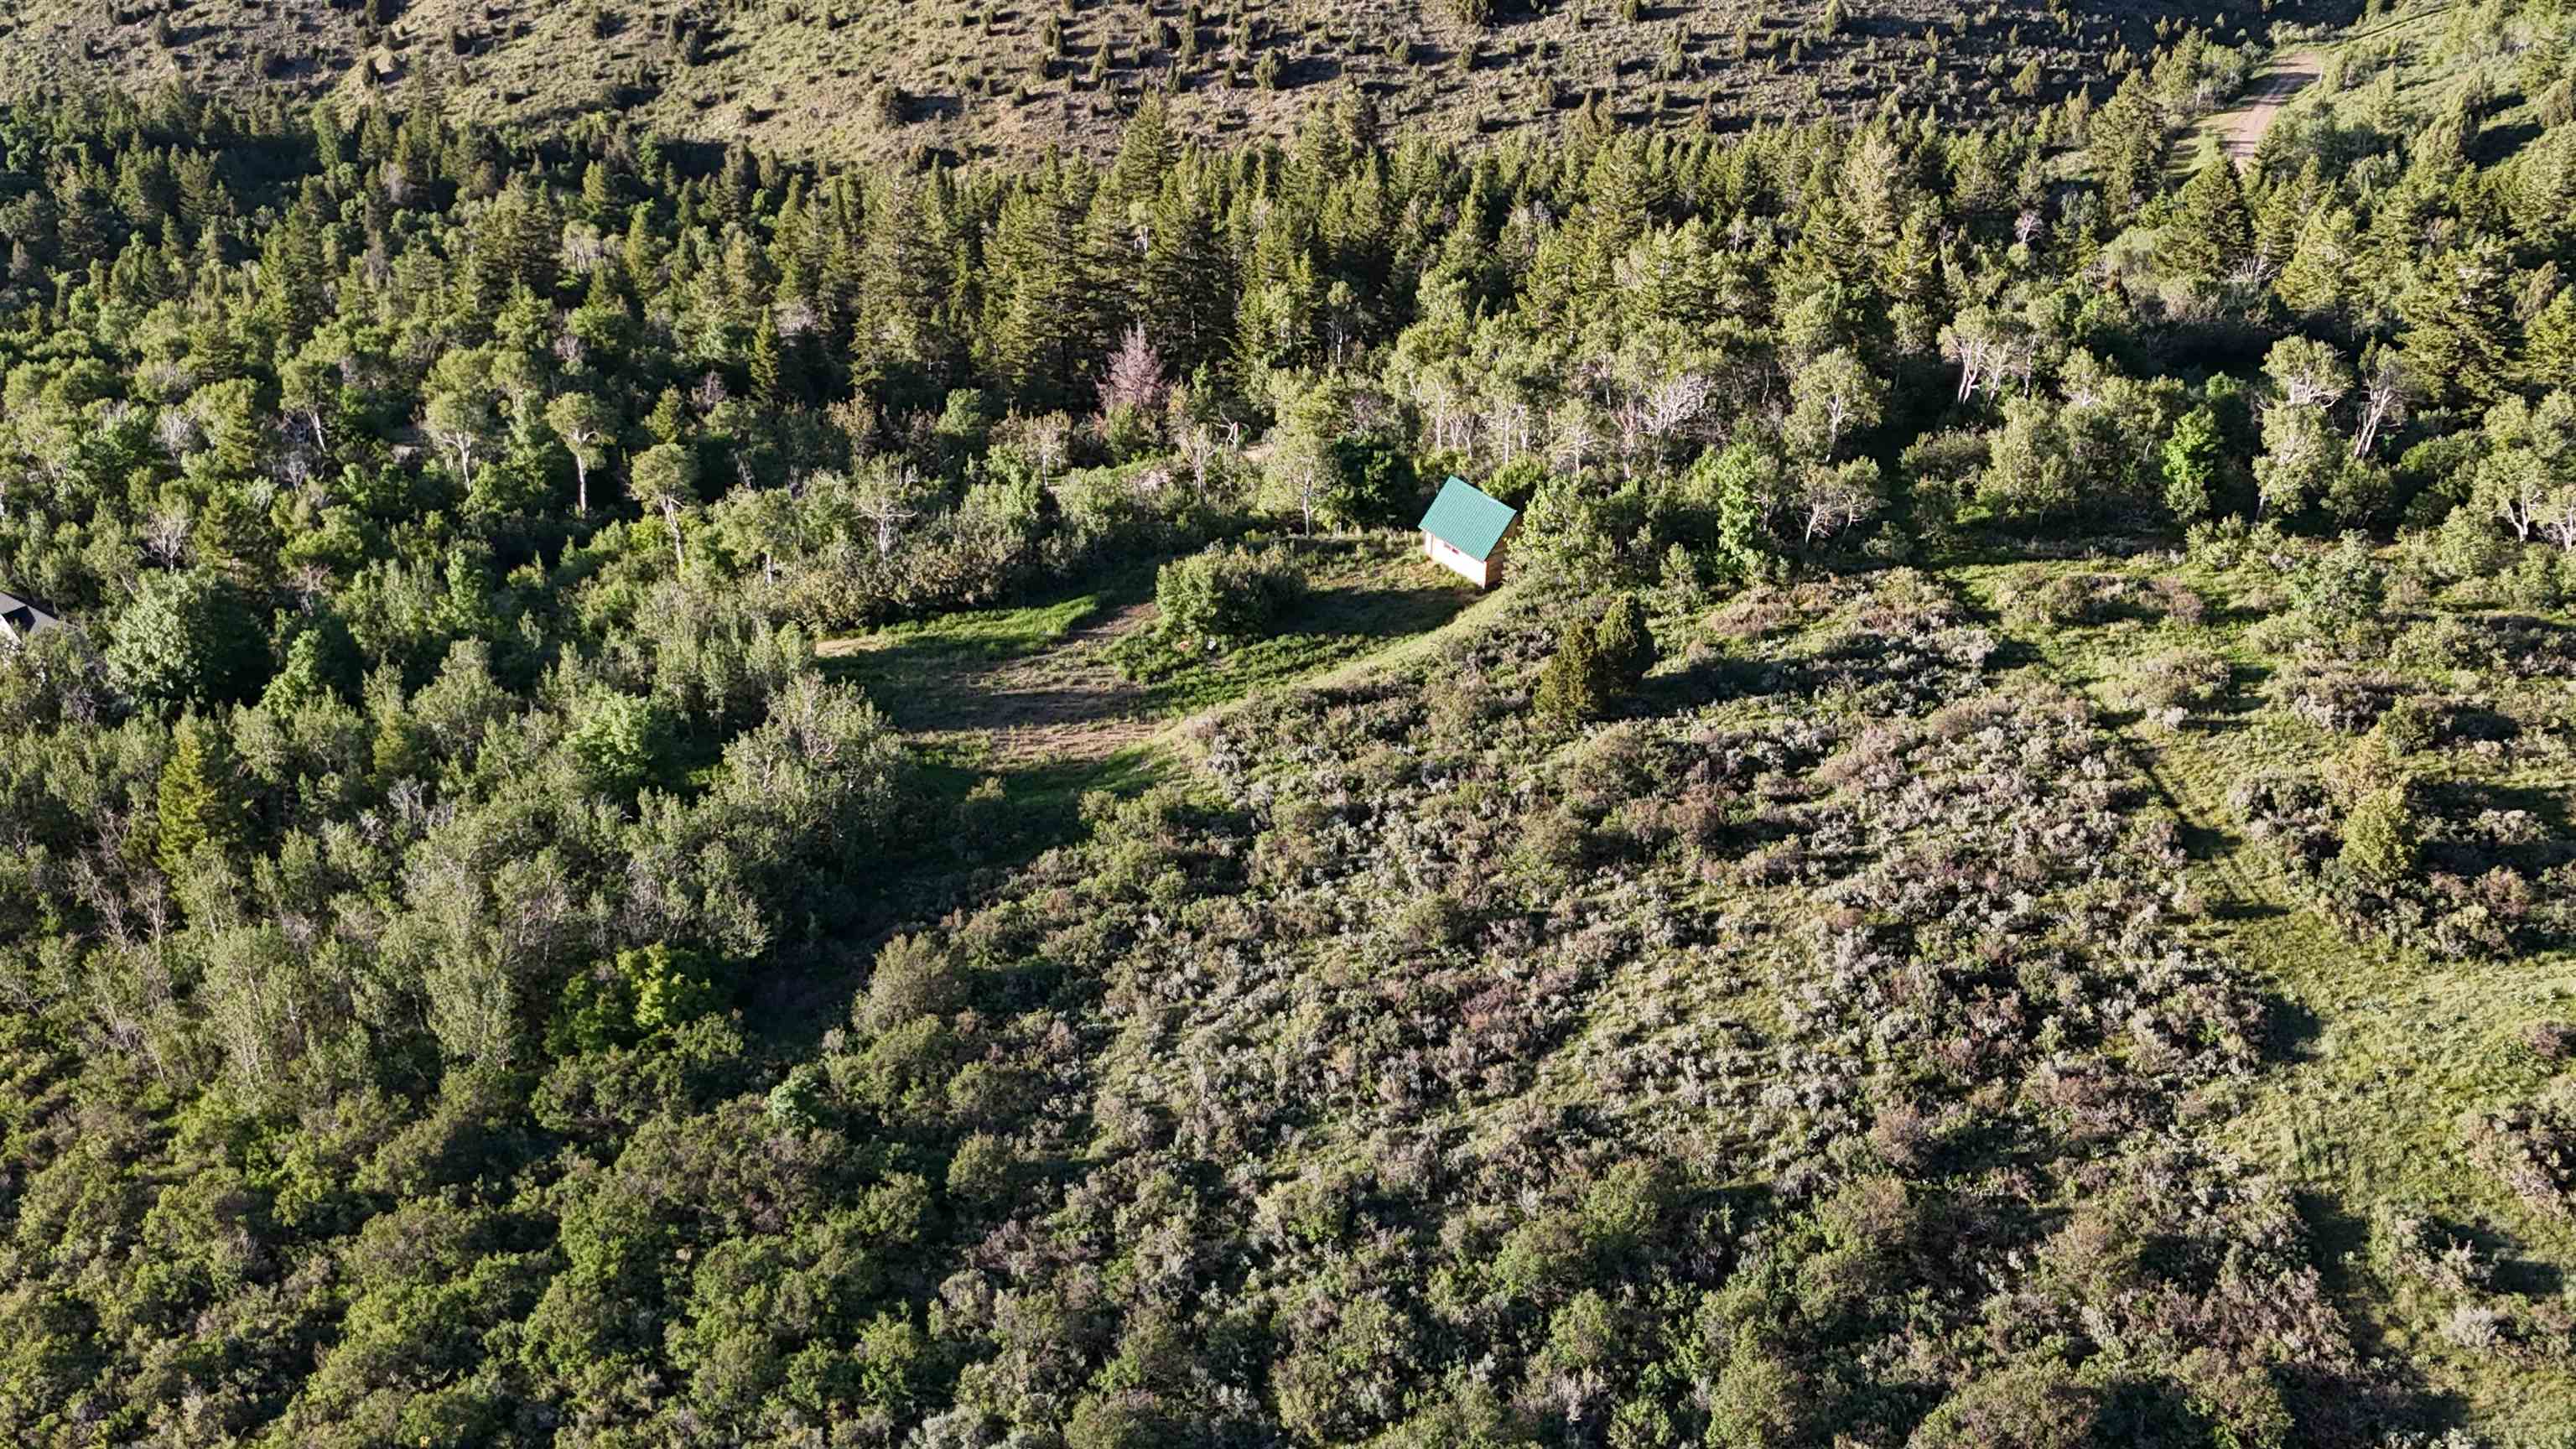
(2339, 1241)
(1381, 612)
(2290, 1029)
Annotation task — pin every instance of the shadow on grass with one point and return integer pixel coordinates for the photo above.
(970, 826)
(1699, 682)
(2339, 1241)
(2290, 1029)
(1330, 627)
(2207, 842)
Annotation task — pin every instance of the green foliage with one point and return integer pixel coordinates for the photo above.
(1623, 645)
(1225, 596)
(641, 994)
(2380, 837)
(2191, 455)
(1375, 483)
(198, 803)
(1407, 1069)
(2213, 233)
(188, 639)
(619, 741)
(1738, 483)
(2339, 586)
(1578, 682)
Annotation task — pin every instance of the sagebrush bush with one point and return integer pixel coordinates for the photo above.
(1224, 596)
(2185, 680)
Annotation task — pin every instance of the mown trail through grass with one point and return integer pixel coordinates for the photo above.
(2378, 1051)
(1015, 714)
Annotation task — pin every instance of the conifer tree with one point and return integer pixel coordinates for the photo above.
(2214, 235)
(2128, 146)
(1569, 686)
(2458, 328)
(198, 802)
(1623, 645)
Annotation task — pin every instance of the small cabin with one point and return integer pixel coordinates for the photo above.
(21, 619)
(1468, 531)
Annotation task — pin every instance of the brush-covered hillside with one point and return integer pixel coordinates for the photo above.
(838, 77)
(671, 795)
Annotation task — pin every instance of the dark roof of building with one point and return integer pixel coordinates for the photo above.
(20, 618)
(1468, 519)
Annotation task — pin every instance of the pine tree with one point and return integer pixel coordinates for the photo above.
(2549, 354)
(1623, 645)
(1569, 686)
(2129, 145)
(1188, 279)
(198, 802)
(769, 381)
(669, 420)
(2214, 235)
(2458, 329)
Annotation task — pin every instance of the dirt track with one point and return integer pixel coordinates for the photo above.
(1063, 704)
(2241, 131)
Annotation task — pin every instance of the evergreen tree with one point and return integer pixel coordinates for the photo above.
(1569, 686)
(198, 802)
(1623, 645)
(187, 639)
(2459, 331)
(2549, 353)
(2128, 146)
(2213, 235)
(2381, 837)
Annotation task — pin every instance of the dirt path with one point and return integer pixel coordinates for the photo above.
(1065, 704)
(1070, 704)
(2241, 131)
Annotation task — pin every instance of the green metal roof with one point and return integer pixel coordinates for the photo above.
(1467, 519)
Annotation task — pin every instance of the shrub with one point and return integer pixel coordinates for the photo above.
(1224, 596)
(2339, 586)
(914, 978)
(2181, 603)
(2185, 680)
(2551, 1041)
(2057, 600)
(2380, 837)
(2345, 701)
(2531, 1146)
(2411, 724)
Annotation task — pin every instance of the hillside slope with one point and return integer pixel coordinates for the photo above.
(843, 76)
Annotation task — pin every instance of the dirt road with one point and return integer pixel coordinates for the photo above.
(2241, 131)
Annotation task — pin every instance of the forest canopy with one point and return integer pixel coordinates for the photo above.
(2012, 617)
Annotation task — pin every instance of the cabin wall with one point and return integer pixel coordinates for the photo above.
(1475, 571)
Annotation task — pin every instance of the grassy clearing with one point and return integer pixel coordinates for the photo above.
(1364, 593)
(1039, 684)
(2400, 71)
(1019, 712)
(2385, 1048)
